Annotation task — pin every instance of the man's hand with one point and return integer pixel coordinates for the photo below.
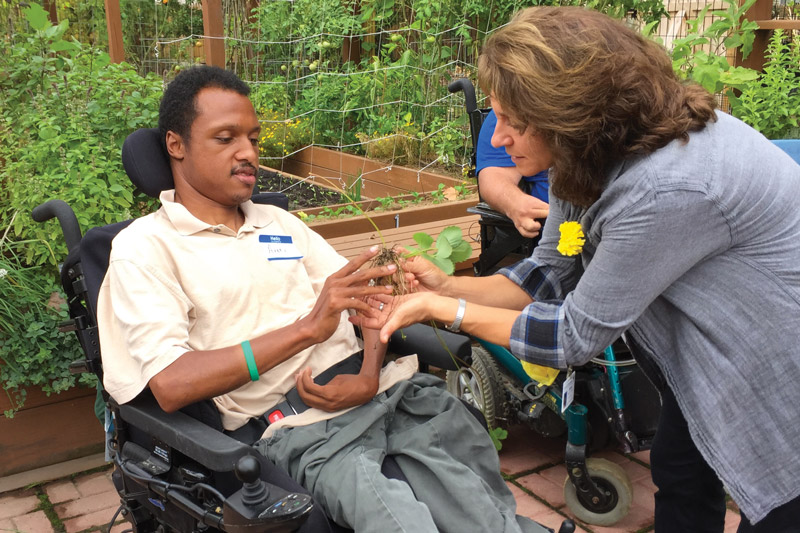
(347, 289)
(524, 211)
(343, 391)
(500, 189)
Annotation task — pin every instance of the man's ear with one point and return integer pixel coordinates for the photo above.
(176, 147)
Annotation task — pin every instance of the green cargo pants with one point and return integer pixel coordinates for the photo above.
(454, 482)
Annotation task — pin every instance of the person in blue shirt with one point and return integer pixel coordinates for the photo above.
(501, 183)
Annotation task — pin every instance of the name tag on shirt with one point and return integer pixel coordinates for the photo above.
(279, 247)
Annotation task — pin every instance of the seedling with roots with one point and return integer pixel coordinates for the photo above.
(448, 249)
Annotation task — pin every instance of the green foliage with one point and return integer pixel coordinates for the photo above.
(64, 113)
(410, 50)
(498, 435)
(764, 100)
(448, 249)
(700, 55)
(438, 194)
(32, 350)
(771, 104)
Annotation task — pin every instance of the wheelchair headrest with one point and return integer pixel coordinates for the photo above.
(146, 161)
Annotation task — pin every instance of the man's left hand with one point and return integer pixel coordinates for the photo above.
(343, 391)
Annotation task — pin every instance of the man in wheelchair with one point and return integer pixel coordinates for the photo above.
(214, 297)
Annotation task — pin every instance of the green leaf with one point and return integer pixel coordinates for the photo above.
(47, 132)
(37, 17)
(443, 247)
(445, 265)
(452, 234)
(732, 41)
(121, 201)
(424, 240)
(461, 252)
(498, 435)
(64, 46)
(707, 76)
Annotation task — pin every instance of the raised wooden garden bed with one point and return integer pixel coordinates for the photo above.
(351, 245)
(48, 430)
(354, 233)
(379, 180)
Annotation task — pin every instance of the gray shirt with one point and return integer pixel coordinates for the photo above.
(694, 252)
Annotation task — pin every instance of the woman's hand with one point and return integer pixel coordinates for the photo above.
(343, 391)
(397, 312)
(422, 275)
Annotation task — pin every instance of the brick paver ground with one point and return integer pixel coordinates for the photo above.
(533, 466)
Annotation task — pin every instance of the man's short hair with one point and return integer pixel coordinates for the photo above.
(178, 108)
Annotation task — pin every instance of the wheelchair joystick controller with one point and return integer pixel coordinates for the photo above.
(261, 507)
(248, 471)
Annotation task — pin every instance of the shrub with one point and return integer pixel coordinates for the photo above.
(64, 113)
(771, 104)
(32, 349)
(768, 101)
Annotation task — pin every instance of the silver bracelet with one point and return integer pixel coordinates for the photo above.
(455, 327)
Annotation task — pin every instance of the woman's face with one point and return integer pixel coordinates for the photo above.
(527, 149)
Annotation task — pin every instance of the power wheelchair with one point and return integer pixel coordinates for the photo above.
(181, 471)
(614, 402)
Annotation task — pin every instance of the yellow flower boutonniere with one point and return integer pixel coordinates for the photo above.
(571, 241)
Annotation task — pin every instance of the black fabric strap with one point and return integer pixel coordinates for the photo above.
(255, 427)
(294, 404)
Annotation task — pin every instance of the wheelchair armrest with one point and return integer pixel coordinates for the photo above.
(489, 214)
(434, 346)
(215, 450)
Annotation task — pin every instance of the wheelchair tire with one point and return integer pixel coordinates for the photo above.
(609, 477)
(480, 385)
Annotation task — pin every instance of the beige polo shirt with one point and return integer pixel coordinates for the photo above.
(177, 284)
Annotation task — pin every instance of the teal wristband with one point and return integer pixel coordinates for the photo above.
(251, 360)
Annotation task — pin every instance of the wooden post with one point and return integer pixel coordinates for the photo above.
(114, 24)
(351, 49)
(761, 13)
(213, 27)
(50, 7)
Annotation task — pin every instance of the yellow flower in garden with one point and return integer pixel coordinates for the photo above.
(303, 216)
(571, 241)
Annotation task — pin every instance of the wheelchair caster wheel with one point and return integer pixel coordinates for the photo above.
(480, 385)
(610, 478)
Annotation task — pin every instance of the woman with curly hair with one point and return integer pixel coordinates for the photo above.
(680, 230)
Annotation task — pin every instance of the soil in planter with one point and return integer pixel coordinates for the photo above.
(302, 194)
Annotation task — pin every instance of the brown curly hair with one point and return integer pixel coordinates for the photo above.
(595, 90)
